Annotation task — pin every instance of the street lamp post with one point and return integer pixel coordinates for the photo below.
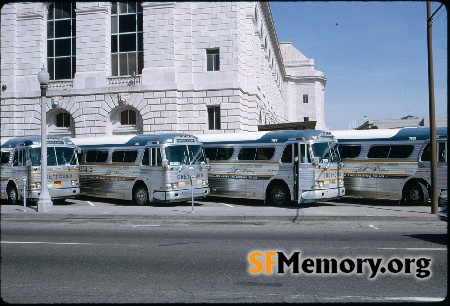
(45, 202)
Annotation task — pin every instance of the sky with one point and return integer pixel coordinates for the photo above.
(373, 54)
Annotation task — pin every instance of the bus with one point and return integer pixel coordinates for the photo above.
(21, 161)
(161, 168)
(279, 167)
(392, 163)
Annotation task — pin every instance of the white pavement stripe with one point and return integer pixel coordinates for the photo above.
(90, 203)
(44, 242)
(415, 249)
(373, 226)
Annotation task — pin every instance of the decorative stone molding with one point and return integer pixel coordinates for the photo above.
(123, 98)
(57, 102)
(126, 80)
(62, 84)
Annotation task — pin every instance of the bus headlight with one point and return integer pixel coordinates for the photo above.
(172, 186)
(75, 183)
(36, 185)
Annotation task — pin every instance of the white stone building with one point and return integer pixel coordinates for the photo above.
(117, 68)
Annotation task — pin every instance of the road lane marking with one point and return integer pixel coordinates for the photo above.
(45, 242)
(137, 225)
(415, 249)
(90, 203)
(373, 226)
(227, 204)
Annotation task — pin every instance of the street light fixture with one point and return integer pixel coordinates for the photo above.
(45, 203)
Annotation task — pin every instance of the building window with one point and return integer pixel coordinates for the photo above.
(213, 60)
(305, 119)
(62, 120)
(214, 118)
(61, 39)
(127, 43)
(128, 117)
(305, 98)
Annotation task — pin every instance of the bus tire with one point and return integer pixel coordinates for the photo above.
(140, 194)
(416, 194)
(278, 195)
(13, 196)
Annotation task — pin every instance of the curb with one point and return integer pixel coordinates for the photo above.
(199, 217)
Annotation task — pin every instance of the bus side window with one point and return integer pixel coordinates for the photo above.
(264, 153)
(96, 156)
(442, 152)
(349, 151)
(304, 152)
(224, 153)
(211, 153)
(378, 152)
(247, 154)
(16, 158)
(19, 157)
(426, 153)
(146, 157)
(156, 157)
(5, 157)
(287, 154)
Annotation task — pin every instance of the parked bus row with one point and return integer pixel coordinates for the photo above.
(279, 167)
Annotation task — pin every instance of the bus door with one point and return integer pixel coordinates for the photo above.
(152, 170)
(304, 171)
(442, 159)
(20, 168)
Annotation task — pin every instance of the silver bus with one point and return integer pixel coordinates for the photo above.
(277, 166)
(156, 168)
(21, 162)
(392, 163)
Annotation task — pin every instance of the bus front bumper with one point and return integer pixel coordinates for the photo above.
(62, 193)
(310, 196)
(180, 195)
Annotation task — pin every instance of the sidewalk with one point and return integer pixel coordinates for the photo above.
(318, 211)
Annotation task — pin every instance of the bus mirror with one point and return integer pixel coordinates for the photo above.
(165, 163)
(316, 160)
(207, 160)
(29, 163)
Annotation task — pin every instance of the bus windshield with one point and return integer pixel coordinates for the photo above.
(56, 156)
(327, 151)
(185, 155)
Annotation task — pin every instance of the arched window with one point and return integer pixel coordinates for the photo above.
(127, 43)
(128, 117)
(61, 36)
(62, 120)
(125, 119)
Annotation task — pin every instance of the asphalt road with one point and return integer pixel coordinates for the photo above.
(147, 261)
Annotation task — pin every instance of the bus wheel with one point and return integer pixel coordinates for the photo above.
(140, 194)
(416, 194)
(278, 195)
(13, 196)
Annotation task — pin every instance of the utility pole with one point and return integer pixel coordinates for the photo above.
(433, 162)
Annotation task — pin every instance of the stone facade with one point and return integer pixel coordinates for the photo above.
(253, 86)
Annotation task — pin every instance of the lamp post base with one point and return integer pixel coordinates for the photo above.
(44, 204)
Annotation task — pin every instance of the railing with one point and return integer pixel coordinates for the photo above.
(60, 84)
(125, 80)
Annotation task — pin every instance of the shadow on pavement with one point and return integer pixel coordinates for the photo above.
(433, 238)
